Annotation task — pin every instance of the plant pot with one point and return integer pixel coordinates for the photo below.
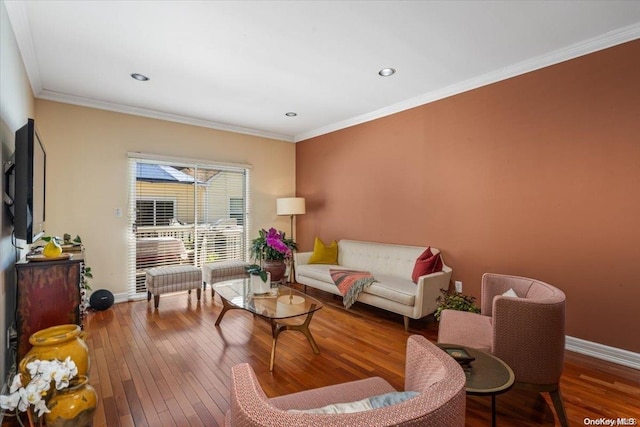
(277, 268)
(258, 286)
(58, 342)
(72, 406)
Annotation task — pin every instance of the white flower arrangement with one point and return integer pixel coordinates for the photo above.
(43, 374)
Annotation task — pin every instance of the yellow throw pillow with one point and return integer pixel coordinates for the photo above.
(323, 254)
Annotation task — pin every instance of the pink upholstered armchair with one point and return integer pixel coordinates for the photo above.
(527, 331)
(430, 371)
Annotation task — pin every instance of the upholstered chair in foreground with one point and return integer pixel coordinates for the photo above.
(526, 331)
(434, 375)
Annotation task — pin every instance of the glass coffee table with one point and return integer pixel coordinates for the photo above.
(486, 375)
(281, 307)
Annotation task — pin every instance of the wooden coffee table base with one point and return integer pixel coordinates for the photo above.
(226, 306)
(277, 326)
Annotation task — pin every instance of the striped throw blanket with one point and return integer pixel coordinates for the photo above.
(350, 283)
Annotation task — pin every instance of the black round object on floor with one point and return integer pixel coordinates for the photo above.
(101, 299)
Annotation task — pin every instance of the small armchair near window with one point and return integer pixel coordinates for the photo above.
(436, 377)
(526, 332)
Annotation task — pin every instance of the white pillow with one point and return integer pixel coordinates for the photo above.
(510, 293)
(362, 405)
(339, 408)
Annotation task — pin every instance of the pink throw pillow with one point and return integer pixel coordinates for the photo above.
(426, 263)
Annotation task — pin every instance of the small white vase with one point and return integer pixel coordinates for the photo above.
(258, 286)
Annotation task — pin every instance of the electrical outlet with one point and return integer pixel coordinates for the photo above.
(118, 212)
(458, 286)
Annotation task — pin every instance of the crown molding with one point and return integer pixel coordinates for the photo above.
(17, 11)
(19, 19)
(152, 114)
(607, 40)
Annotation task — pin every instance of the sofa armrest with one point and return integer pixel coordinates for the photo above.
(301, 258)
(429, 290)
(494, 285)
(426, 365)
(246, 397)
(434, 373)
(522, 327)
(487, 296)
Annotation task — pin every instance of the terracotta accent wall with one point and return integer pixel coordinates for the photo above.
(538, 176)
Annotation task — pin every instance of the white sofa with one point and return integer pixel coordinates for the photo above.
(391, 266)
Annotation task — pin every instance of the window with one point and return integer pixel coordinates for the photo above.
(183, 212)
(155, 212)
(236, 210)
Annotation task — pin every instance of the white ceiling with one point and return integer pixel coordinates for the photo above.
(241, 65)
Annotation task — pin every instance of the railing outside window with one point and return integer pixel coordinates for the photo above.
(185, 244)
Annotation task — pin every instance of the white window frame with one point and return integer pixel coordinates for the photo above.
(135, 158)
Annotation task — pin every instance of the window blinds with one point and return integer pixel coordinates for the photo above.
(182, 212)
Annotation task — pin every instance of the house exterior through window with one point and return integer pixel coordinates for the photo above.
(151, 212)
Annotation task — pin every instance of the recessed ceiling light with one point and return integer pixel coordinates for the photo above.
(386, 72)
(290, 114)
(140, 77)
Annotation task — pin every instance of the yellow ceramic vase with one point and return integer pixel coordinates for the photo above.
(58, 342)
(73, 406)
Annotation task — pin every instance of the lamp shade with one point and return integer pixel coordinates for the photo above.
(290, 206)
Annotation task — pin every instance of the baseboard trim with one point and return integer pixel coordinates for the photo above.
(604, 352)
(120, 298)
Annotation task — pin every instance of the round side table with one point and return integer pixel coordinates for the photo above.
(487, 375)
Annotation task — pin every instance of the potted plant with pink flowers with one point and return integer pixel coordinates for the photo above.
(271, 248)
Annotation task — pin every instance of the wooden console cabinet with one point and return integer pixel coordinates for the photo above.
(48, 294)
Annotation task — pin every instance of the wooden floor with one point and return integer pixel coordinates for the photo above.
(171, 366)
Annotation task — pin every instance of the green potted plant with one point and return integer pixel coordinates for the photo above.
(455, 301)
(255, 269)
(271, 248)
(260, 279)
(85, 271)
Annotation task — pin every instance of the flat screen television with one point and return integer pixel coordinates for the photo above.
(30, 160)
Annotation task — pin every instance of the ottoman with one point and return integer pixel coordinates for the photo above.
(161, 280)
(215, 272)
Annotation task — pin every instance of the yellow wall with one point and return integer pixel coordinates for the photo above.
(87, 175)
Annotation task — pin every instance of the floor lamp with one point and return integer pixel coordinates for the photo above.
(290, 206)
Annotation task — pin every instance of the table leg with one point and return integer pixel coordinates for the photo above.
(226, 306)
(275, 331)
(493, 410)
(276, 328)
